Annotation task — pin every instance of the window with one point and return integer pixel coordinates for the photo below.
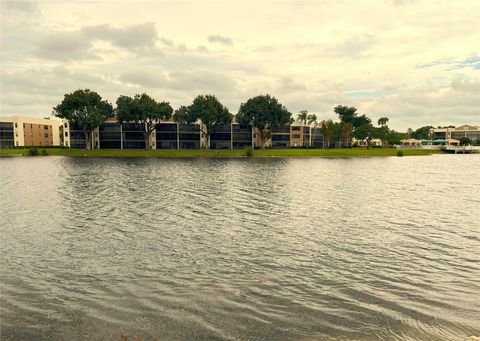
(45, 127)
(295, 136)
(66, 134)
(16, 126)
(295, 128)
(46, 135)
(31, 126)
(66, 125)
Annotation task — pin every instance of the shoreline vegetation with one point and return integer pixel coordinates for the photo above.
(292, 152)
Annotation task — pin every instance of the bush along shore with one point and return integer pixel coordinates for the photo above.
(247, 152)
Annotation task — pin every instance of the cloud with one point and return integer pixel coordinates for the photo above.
(165, 41)
(288, 83)
(201, 80)
(26, 7)
(46, 80)
(191, 81)
(79, 44)
(216, 38)
(63, 46)
(129, 37)
(145, 78)
(463, 85)
(354, 47)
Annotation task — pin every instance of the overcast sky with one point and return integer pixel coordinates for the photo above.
(416, 62)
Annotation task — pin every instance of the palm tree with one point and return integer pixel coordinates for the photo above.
(302, 116)
(382, 121)
(328, 131)
(346, 128)
(311, 119)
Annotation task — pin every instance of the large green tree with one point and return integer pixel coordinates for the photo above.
(265, 113)
(143, 110)
(424, 133)
(85, 109)
(207, 109)
(394, 137)
(345, 113)
(350, 121)
(465, 141)
(365, 132)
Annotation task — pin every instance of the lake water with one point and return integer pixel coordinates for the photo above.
(237, 249)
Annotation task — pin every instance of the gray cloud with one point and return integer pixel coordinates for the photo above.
(205, 81)
(216, 38)
(45, 80)
(27, 7)
(75, 45)
(289, 84)
(166, 41)
(63, 46)
(145, 78)
(190, 81)
(353, 47)
(460, 84)
(135, 36)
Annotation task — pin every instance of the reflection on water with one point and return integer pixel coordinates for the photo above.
(267, 249)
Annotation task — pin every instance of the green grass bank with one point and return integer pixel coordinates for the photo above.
(352, 152)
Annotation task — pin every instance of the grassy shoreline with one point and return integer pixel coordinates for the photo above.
(352, 152)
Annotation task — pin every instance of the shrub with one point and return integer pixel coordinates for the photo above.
(32, 151)
(43, 152)
(399, 152)
(248, 151)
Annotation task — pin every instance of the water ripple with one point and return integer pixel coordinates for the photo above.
(261, 249)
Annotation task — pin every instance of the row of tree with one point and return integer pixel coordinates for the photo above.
(352, 125)
(88, 110)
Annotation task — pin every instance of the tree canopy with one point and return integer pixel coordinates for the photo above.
(424, 133)
(382, 121)
(265, 113)
(85, 109)
(345, 113)
(144, 110)
(207, 109)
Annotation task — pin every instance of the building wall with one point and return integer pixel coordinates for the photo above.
(7, 135)
(31, 131)
(281, 138)
(471, 132)
(37, 134)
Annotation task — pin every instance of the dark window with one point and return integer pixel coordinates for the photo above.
(31, 126)
(66, 125)
(295, 128)
(46, 135)
(45, 127)
(16, 125)
(295, 136)
(66, 134)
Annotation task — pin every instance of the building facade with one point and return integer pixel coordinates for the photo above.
(468, 131)
(167, 135)
(19, 131)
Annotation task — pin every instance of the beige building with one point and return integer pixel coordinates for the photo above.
(22, 131)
